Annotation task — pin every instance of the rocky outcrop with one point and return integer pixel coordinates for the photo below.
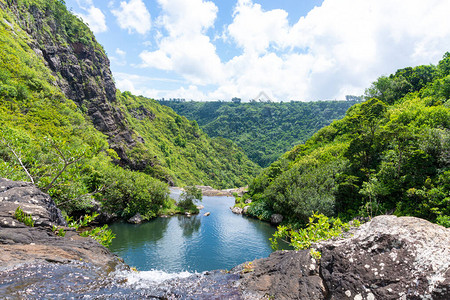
(81, 70)
(387, 258)
(21, 244)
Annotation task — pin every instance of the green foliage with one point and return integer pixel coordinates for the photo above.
(319, 228)
(263, 130)
(443, 221)
(175, 150)
(103, 234)
(386, 155)
(23, 217)
(188, 196)
(59, 231)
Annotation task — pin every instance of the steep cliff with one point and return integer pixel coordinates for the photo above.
(51, 60)
(79, 65)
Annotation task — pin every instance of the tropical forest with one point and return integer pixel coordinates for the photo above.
(113, 186)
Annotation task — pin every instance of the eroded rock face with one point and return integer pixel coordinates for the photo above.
(81, 70)
(387, 258)
(21, 244)
(283, 275)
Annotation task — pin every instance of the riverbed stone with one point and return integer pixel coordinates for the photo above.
(136, 219)
(276, 219)
(237, 210)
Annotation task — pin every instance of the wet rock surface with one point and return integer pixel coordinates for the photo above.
(387, 258)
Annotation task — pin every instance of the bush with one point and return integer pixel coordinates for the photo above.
(187, 198)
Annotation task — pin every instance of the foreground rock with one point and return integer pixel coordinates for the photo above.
(21, 244)
(387, 258)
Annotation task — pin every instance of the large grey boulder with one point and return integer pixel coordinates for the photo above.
(387, 258)
(21, 244)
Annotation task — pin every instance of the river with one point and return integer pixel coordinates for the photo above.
(199, 243)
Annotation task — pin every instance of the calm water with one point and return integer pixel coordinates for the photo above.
(219, 241)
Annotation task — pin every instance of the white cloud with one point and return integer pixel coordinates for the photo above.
(94, 17)
(339, 48)
(133, 16)
(186, 49)
(255, 30)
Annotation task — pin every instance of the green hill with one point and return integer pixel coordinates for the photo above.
(263, 130)
(390, 154)
(65, 127)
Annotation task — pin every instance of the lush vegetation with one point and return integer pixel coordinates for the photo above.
(264, 130)
(389, 154)
(188, 196)
(47, 139)
(178, 151)
(319, 228)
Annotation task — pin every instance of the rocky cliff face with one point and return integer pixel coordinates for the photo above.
(80, 66)
(387, 258)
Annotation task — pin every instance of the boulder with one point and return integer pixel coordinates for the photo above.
(387, 258)
(245, 210)
(248, 201)
(237, 210)
(276, 219)
(207, 214)
(21, 244)
(136, 219)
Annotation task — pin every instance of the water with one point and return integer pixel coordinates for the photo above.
(199, 243)
(170, 254)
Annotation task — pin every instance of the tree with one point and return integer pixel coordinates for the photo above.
(187, 198)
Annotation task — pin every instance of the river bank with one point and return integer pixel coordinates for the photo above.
(386, 258)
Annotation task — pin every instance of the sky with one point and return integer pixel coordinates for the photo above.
(302, 50)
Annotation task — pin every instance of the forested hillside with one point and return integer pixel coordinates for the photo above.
(390, 154)
(265, 130)
(65, 127)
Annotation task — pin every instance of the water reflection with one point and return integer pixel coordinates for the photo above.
(219, 241)
(189, 224)
(151, 231)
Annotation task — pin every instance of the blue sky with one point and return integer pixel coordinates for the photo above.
(302, 50)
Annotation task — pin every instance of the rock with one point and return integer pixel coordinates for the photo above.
(207, 214)
(21, 244)
(387, 258)
(136, 219)
(248, 201)
(245, 210)
(283, 275)
(200, 207)
(276, 219)
(31, 200)
(237, 210)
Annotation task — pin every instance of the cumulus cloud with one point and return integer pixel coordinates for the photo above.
(133, 16)
(338, 48)
(93, 16)
(186, 48)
